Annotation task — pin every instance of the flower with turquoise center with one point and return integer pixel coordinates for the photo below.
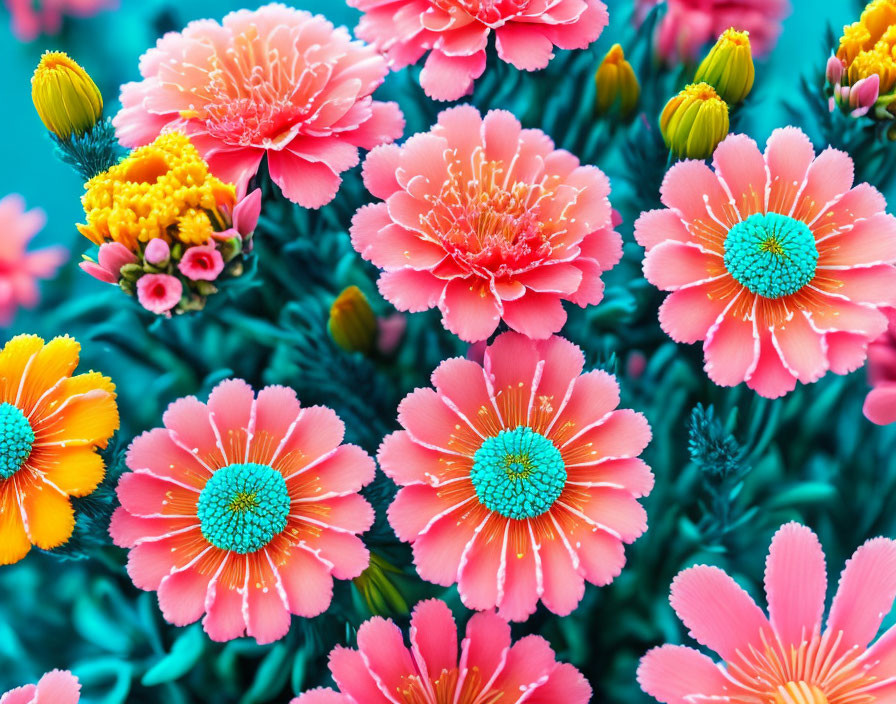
(518, 473)
(773, 255)
(16, 439)
(243, 506)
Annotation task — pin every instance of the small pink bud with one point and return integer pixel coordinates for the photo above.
(834, 71)
(864, 94)
(157, 252)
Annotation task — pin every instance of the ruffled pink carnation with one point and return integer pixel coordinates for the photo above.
(56, 687)
(688, 25)
(159, 293)
(488, 222)
(31, 18)
(455, 33)
(202, 263)
(776, 262)
(490, 669)
(519, 479)
(20, 269)
(243, 510)
(880, 404)
(787, 657)
(274, 81)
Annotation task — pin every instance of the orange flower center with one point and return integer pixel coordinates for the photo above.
(799, 693)
(444, 689)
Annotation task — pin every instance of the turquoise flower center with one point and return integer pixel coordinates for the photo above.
(518, 473)
(773, 255)
(243, 506)
(16, 439)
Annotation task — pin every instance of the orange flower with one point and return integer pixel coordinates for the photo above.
(51, 424)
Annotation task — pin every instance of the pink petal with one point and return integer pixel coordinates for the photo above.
(561, 278)
(830, 176)
(657, 226)
(406, 462)
(182, 596)
(770, 378)
(486, 644)
(311, 184)
(565, 684)
(247, 212)
(740, 165)
(307, 583)
(276, 408)
(674, 674)
(601, 555)
(564, 587)
(379, 170)
(672, 265)
(520, 595)
(625, 433)
(687, 314)
(317, 432)
(429, 420)
(413, 508)
(526, 46)
(868, 242)
(438, 550)
(450, 77)
(480, 579)
(880, 404)
(224, 620)
(346, 471)
(462, 383)
(433, 636)
(692, 187)
(411, 291)
(594, 394)
(268, 617)
(788, 154)
(803, 350)
(731, 348)
(231, 405)
(530, 662)
(381, 645)
(846, 351)
(536, 315)
(321, 696)
(386, 124)
(469, 310)
(353, 676)
(190, 426)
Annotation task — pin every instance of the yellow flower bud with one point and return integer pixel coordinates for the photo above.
(695, 121)
(67, 100)
(352, 323)
(729, 67)
(617, 84)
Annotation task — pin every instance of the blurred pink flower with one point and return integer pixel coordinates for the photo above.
(159, 293)
(274, 81)
(202, 263)
(688, 25)
(56, 687)
(787, 657)
(20, 269)
(455, 32)
(31, 18)
(488, 222)
(490, 668)
(880, 404)
(112, 256)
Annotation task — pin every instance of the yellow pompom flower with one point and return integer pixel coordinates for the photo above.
(877, 17)
(352, 323)
(617, 84)
(695, 121)
(868, 47)
(65, 96)
(162, 190)
(729, 67)
(51, 424)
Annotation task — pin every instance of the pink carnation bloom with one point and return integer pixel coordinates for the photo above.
(775, 261)
(490, 668)
(487, 221)
(292, 87)
(243, 510)
(787, 657)
(159, 293)
(31, 18)
(202, 263)
(56, 687)
(455, 32)
(880, 404)
(20, 269)
(688, 25)
(519, 481)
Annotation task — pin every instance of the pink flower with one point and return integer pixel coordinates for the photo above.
(20, 270)
(788, 657)
(202, 263)
(295, 89)
(243, 510)
(159, 293)
(31, 18)
(880, 404)
(776, 263)
(112, 256)
(688, 25)
(487, 221)
(490, 667)
(157, 252)
(456, 32)
(56, 687)
(519, 481)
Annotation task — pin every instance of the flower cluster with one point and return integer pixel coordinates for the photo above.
(168, 231)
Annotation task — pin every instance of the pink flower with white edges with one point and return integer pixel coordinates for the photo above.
(488, 222)
(202, 263)
(159, 293)
(490, 669)
(241, 511)
(456, 32)
(775, 261)
(20, 269)
(519, 477)
(788, 657)
(275, 82)
(56, 687)
(880, 404)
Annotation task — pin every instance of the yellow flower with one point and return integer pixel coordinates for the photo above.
(856, 38)
(695, 121)
(877, 17)
(51, 424)
(65, 96)
(617, 84)
(873, 62)
(352, 323)
(163, 190)
(729, 67)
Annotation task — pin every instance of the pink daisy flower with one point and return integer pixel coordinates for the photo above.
(787, 658)
(243, 510)
(488, 222)
(20, 269)
(490, 668)
(688, 25)
(456, 32)
(274, 81)
(56, 687)
(519, 481)
(880, 404)
(776, 263)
